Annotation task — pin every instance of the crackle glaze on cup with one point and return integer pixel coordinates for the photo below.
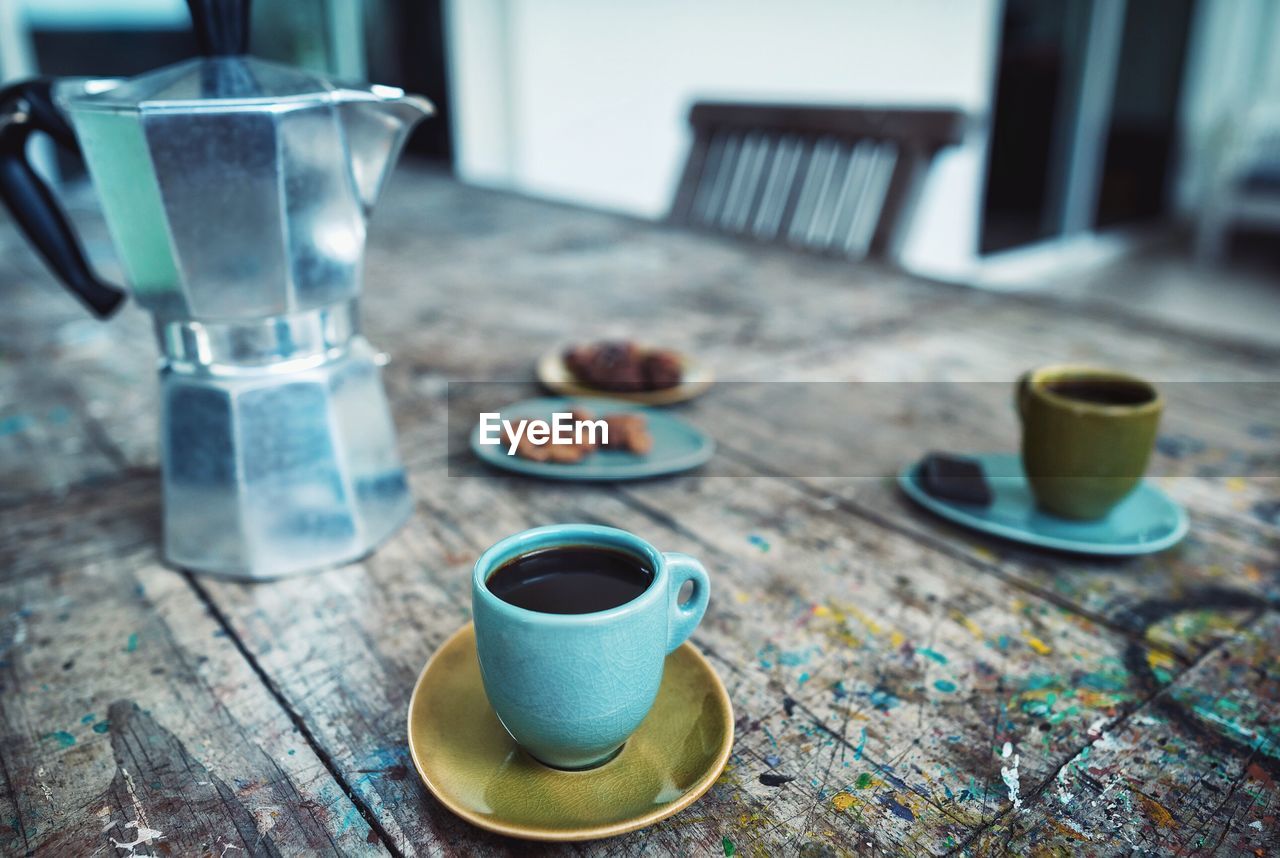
(570, 688)
(1082, 458)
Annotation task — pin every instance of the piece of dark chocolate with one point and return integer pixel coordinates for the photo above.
(955, 478)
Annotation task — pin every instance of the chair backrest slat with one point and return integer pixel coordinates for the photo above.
(781, 171)
(836, 180)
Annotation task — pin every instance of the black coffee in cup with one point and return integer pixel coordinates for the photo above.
(1102, 391)
(570, 579)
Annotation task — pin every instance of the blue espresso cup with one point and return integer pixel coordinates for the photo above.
(571, 688)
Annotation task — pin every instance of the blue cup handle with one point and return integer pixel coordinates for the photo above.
(686, 615)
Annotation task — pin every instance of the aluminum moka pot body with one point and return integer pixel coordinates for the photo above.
(237, 193)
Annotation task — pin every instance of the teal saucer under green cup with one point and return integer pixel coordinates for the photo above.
(1146, 521)
(571, 688)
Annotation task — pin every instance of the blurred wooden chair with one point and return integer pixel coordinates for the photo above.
(1244, 188)
(835, 180)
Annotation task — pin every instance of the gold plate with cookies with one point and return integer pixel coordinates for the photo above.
(555, 373)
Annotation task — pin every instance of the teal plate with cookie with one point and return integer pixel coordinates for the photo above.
(677, 446)
(1146, 521)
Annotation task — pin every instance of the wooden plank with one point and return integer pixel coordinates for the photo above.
(346, 646)
(930, 128)
(46, 439)
(130, 721)
(830, 630)
(1192, 772)
(761, 820)
(77, 395)
(938, 662)
(838, 606)
(923, 388)
(549, 271)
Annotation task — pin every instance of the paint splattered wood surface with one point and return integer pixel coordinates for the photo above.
(132, 724)
(901, 686)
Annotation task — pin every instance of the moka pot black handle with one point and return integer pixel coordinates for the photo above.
(25, 108)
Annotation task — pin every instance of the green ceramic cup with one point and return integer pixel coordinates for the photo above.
(1087, 434)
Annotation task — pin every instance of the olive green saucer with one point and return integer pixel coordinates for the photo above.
(475, 769)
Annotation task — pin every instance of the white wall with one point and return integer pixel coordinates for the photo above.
(587, 101)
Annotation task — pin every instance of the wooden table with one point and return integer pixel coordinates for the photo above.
(900, 685)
